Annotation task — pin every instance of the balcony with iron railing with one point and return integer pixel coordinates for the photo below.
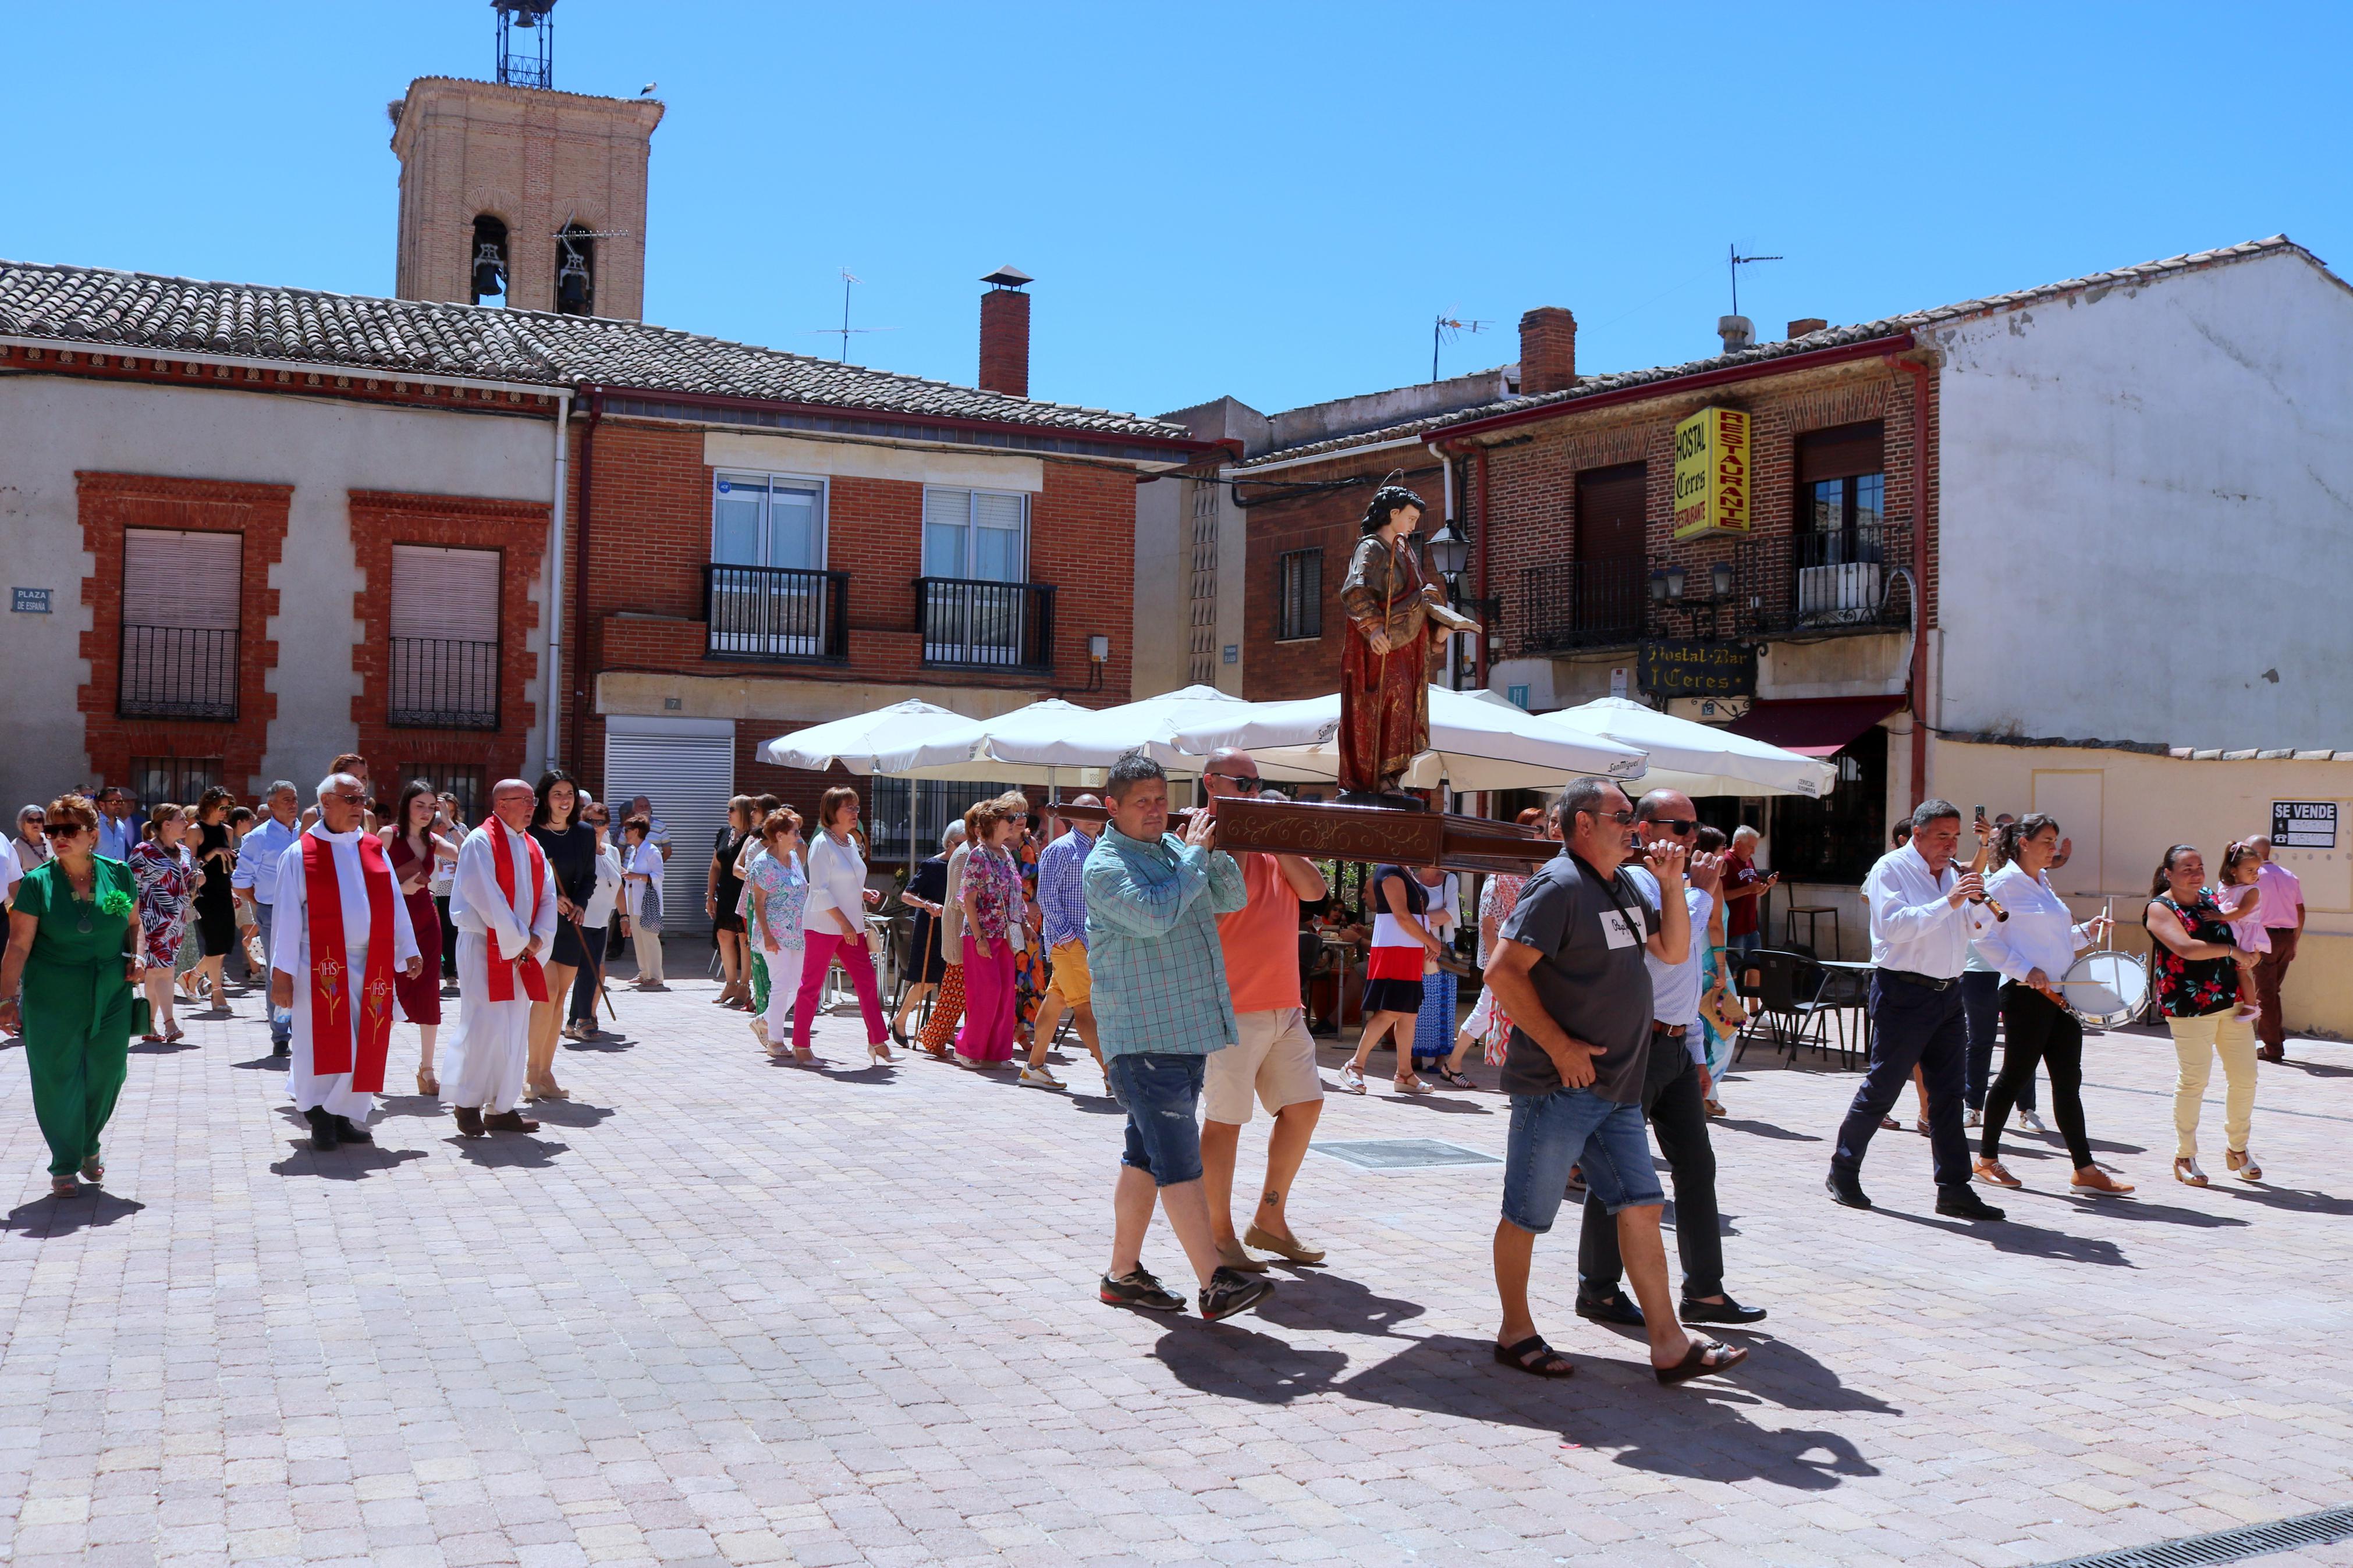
(177, 672)
(443, 683)
(1850, 580)
(775, 615)
(972, 624)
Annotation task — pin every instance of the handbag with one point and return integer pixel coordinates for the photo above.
(142, 1015)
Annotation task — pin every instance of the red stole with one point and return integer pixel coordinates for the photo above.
(331, 1022)
(503, 971)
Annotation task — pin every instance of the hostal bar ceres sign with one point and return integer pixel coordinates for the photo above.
(1712, 473)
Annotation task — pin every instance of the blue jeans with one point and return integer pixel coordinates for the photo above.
(1161, 1091)
(281, 1019)
(1746, 941)
(1575, 1127)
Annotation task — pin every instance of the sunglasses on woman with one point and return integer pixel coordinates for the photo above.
(66, 831)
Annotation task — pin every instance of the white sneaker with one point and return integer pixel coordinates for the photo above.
(1974, 1118)
(1041, 1076)
(2031, 1122)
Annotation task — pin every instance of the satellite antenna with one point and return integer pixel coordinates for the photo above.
(1445, 330)
(845, 330)
(1737, 262)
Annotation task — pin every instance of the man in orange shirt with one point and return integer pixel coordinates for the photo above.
(1274, 1059)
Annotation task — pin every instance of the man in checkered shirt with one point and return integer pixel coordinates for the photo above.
(1161, 1007)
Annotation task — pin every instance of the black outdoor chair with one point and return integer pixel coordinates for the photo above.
(1790, 1006)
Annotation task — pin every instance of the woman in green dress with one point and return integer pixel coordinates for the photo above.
(73, 941)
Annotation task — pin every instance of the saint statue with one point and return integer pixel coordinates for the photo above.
(1397, 620)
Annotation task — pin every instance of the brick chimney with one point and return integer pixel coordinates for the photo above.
(1548, 351)
(1804, 324)
(1004, 333)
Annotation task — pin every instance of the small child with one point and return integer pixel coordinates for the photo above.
(2238, 899)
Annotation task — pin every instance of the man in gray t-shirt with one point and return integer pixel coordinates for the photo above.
(1567, 970)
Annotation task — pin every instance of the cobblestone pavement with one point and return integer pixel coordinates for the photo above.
(718, 1310)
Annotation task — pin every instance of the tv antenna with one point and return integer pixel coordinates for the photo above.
(1446, 329)
(1737, 262)
(846, 329)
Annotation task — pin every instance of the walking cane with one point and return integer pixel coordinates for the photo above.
(612, 1011)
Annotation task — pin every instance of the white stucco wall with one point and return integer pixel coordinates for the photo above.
(2147, 513)
(52, 425)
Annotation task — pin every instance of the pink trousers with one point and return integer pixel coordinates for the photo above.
(989, 1002)
(824, 947)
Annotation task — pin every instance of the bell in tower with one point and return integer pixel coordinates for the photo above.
(512, 190)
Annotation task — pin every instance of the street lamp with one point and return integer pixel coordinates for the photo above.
(1720, 578)
(1450, 552)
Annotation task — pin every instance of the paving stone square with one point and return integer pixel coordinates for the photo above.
(719, 1310)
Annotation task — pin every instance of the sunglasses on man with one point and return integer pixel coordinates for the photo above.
(1681, 826)
(1248, 783)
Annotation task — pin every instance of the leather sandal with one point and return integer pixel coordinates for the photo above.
(1534, 1357)
(2186, 1170)
(2242, 1164)
(1704, 1356)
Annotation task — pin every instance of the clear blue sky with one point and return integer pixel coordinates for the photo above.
(1266, 200)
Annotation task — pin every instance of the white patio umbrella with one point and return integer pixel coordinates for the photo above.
(856, 741)
(1476, 743)
(1698, 759)
(1058, 743)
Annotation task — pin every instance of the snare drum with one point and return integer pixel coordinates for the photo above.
(2106, 989)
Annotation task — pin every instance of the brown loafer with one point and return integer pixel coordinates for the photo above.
(1296, 1250)
(1231, 1255)
(510, 1121)
(469, 1120)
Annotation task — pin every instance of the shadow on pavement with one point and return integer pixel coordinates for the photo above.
(1098, 1104)
(508, 1152)
(1762, 1129)
(46, 1219)
(348, 1162)
(2294, 1200)
(163, 1049)
(2026, 1240)
(602, 1043)
(1318, 1299)
(566, 1112)
(1612, 1407)
(271, 1060)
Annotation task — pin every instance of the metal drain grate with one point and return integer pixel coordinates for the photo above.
(2229, 1545)
(1403, 1153)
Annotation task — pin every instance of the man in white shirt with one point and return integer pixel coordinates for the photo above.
(1922, 921)
(1672, 1099)
(255, 883)
(343, 929)
(503, 905)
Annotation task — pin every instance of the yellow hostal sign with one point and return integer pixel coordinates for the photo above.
(1712, 473)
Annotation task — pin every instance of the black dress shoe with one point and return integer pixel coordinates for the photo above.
(350, 1131)
(322, 1128)
(1724, 1311)
(1614, 1308)
(1847, 1190)
(282, 1048)
(469, 1120)
(1959, 1203)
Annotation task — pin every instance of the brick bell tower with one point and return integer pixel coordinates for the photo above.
(513, 192)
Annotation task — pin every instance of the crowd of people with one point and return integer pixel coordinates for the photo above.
(1610, 1004)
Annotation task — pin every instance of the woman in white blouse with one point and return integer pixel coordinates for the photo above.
(2034, 949)
(836, 923)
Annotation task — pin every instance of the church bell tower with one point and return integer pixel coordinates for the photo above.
(514, 193)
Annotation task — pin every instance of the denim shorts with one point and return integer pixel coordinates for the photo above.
(1551, 1132)
(1161, 1091)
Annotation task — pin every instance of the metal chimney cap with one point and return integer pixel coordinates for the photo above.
(1008, 278)
(1738, 331)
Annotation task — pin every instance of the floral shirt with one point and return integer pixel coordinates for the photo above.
(2193, 987)
(995, 884)
(167, 889)
(1496, 902)
(781, 888)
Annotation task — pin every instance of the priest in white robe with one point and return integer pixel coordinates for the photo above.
(503, 902)
(339, 930)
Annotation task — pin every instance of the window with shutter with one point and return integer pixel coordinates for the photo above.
(180, 599)
(445, 638)
(1299, 594)
(977, 608)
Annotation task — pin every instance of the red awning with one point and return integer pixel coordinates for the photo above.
(1815, 727)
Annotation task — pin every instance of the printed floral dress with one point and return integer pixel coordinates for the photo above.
(1029, 975)
(2193, 987)
(167, 892)
(782, 889)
